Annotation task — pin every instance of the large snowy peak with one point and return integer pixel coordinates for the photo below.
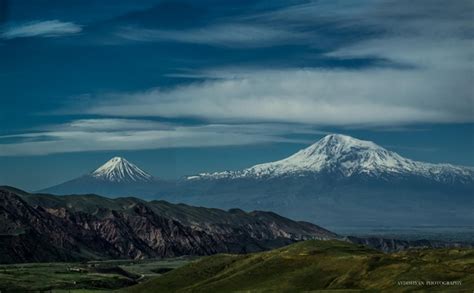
(348, 156)
(120, 170)
(340, 153)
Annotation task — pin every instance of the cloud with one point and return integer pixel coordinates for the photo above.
(425, 73)
(112, 125)
(317, 96)
(134, 134)
(428, 17)
(230, 35)
(49, 28)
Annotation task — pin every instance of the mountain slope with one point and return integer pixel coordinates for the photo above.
(320, 265)
(65, 228)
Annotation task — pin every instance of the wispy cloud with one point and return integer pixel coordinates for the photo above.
(133, 134)
(434, 85)
(318, 96)
(240, 35)
(48, 28)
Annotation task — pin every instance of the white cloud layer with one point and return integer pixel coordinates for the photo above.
(323, 97)
(49, 28)
(426, 50)
(131, 134)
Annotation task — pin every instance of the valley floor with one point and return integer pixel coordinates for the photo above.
(93, 276)
(445, 233)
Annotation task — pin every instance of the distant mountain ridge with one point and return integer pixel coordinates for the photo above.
(335, 181)
(335, 154)
(46, 228)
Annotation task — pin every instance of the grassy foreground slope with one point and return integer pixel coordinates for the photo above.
(320, 265)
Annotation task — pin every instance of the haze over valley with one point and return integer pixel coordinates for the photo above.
(339, 182)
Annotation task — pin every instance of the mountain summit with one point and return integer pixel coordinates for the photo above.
(347, 156)
(119, 169)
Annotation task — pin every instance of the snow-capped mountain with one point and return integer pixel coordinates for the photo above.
(117, 177)
(347, 156)
(119, 169)
(338, 181)
(342, 181)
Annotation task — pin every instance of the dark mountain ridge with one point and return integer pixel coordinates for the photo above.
(45, 228)
(38, 227)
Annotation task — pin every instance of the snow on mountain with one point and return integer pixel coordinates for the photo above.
(347, 156)
(120, 170)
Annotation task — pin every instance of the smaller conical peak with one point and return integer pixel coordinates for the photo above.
(118, 169)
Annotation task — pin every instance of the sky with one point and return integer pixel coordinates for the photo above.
(180, 87)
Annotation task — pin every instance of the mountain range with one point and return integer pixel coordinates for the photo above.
(337, 181)
(42, 227)
(49, 228)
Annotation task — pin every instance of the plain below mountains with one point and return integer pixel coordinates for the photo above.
(336, 182)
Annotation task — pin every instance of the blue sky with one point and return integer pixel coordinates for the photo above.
(186, 86)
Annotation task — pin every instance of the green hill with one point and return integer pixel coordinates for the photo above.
(321, 265)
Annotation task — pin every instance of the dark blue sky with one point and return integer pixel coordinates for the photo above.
(186, 86)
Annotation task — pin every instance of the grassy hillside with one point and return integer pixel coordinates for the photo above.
(320, 265)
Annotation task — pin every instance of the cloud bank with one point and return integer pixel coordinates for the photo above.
(424, 73)
(132, 134)
(315, 96)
